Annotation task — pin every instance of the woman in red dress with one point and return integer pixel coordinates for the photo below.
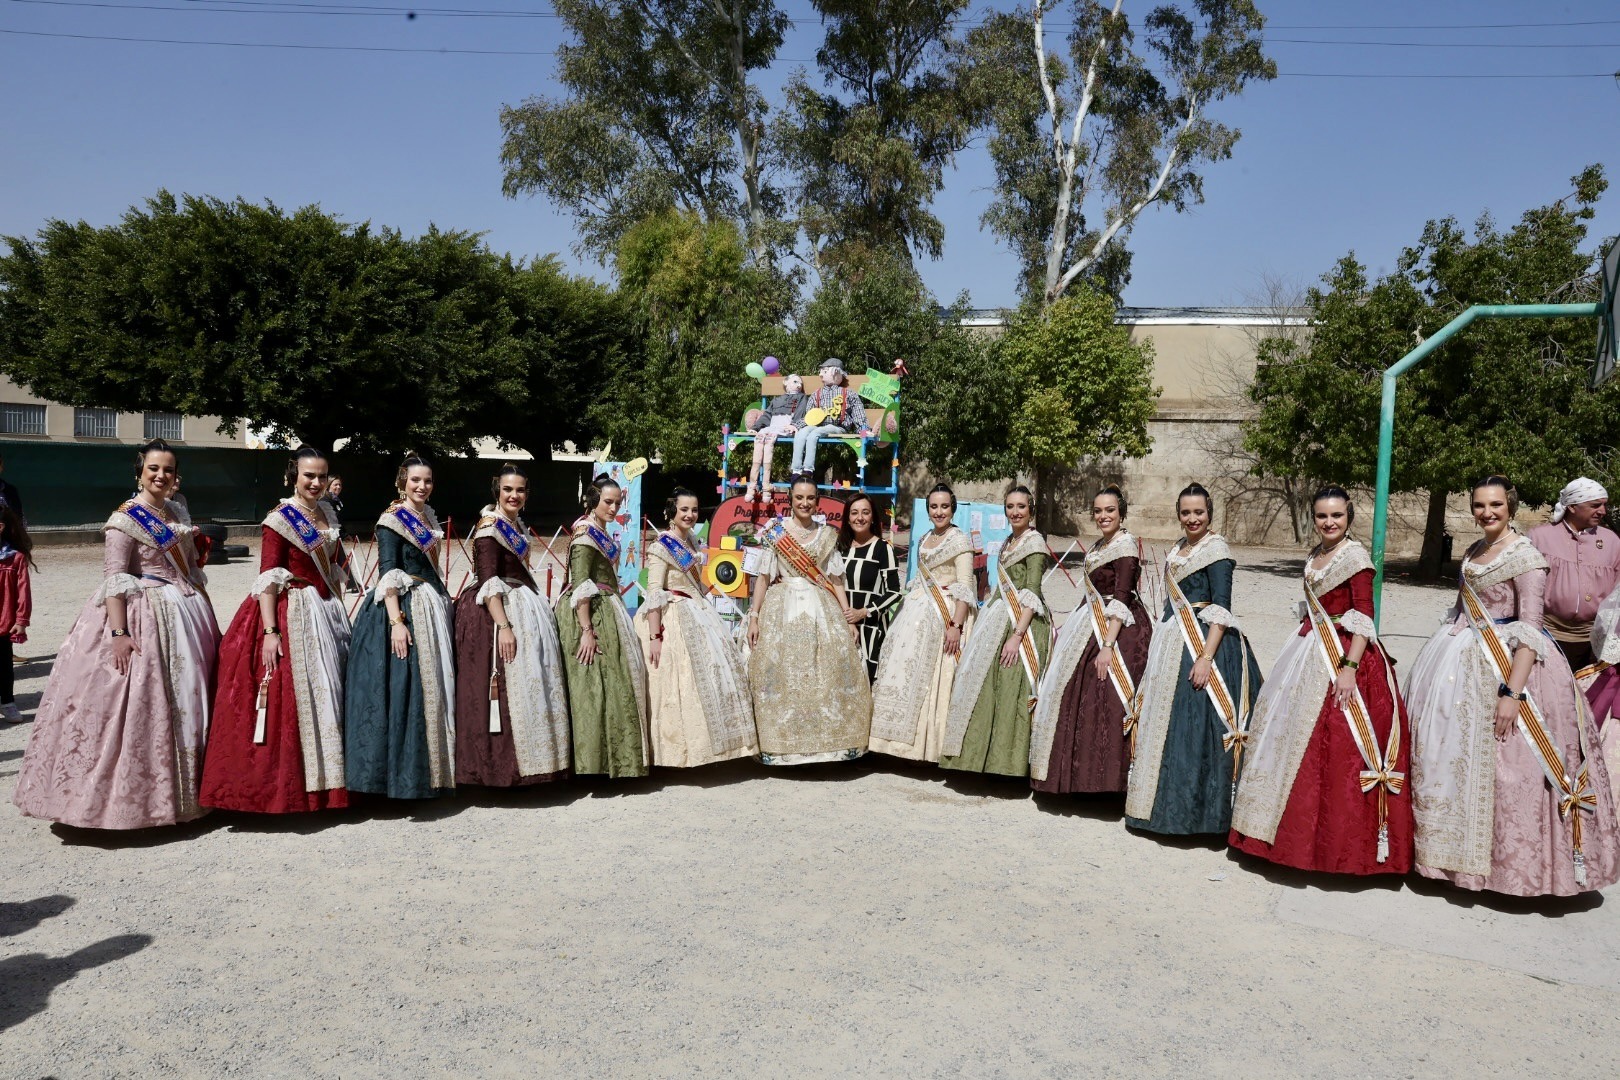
(276, 744)
(1324, 777)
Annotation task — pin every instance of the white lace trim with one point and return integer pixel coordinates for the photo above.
(1215, 615)
(1015, 551)
(835, 565)
(1114, 609)
(1031, 602)
(585, 590)
(1356, 622)
(1122, 546)
(656, 600)
(1348, 560)
(118, 585)
(395, 581)
(277, 577)
(961, 590)
(1211, 549)
(1518, 633)
(493, 587)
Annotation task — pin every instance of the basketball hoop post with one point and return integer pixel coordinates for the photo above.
(1386, 416)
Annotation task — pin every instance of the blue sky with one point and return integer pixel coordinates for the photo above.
(1325, 165)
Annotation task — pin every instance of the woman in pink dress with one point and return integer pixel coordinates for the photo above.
(1509, 788)
(118, 739)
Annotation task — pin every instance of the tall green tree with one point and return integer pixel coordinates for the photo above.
(660, 113)
(702, 313)
(870, 152)
(1506, 396)
(1086, 141)
(299, 323)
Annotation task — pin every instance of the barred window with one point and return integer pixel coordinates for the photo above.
(95, 423)
(22, 419)
(164, 425)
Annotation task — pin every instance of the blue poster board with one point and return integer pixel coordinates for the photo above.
(626, 531)
(985, 523)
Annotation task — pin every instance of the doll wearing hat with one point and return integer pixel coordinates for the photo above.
(833, 410)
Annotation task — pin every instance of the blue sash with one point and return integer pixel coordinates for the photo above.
(415, 527)
(514, 538)
(155, 527)
(309, 537)
(604, 542)
(682, 555)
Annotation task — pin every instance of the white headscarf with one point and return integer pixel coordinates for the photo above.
(1582, 489)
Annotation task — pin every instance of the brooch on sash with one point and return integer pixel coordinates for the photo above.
(684, 556)
(415, 528)
(309, 537)
(513, 537)
(603, 541)
(155, 527)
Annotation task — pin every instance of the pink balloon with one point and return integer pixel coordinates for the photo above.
(771, 365)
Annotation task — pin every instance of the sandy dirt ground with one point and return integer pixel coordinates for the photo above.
(857, 920)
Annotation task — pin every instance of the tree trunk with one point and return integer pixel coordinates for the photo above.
(1434, 528)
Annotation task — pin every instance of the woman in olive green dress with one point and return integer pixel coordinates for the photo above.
(987, 729)
(602, 661)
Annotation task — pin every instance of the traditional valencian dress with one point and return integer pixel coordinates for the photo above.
(911, 696)
(399, 720)
(1187, 740)
(111, 751)
(1323, 789)
(607, 698)
(698, 694)
(1079, 741)
(1529, 815)
(872, 581)
(812, 699)
(276, 745)
(511, 719)
(987, 727)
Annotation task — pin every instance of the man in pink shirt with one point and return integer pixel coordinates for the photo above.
(1585, 561)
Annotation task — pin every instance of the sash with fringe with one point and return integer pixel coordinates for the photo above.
(1574, 795)
(1380, 771)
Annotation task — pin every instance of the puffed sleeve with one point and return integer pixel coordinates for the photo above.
(657, 594)
(1126, 573)
(579, 572)
(1359, 619)
(1530, 588)
(1219, 611)
(274, 551)
(121, 565)
(392, 576)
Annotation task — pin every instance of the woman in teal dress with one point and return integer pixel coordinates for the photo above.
(602, 660)
(987, 730)
(399, 727)
(1195, 699)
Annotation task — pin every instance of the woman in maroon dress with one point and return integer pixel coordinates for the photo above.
(1079, 743)
(511, 703)
(276, 742)
(1324, 777)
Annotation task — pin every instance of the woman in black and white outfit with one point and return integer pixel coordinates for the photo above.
(871, 578)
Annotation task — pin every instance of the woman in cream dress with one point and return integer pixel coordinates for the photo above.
(697, 685)
(812, 700)
(911, 696)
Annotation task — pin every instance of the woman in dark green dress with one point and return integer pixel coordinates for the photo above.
(1200, 685)
(987, 729)
(602, 660)
(399, 728)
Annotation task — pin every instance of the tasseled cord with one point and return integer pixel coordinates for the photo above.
(263, 707)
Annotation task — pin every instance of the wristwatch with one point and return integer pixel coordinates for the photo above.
(120, 633)
(1504, 690)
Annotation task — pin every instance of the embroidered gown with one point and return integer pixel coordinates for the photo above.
(111, 751)
(399, 722)
(700, 710)
(607, 698)
(988, 724)
(1300, 801)
(812, 699)
(297, 762)
(1079, 741)
(1486, 816)
(911, 696)
(1181, 781)
(1603, 692)
(872, 581)
(522, 736)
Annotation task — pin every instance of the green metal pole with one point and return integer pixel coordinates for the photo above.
(1386, 415)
